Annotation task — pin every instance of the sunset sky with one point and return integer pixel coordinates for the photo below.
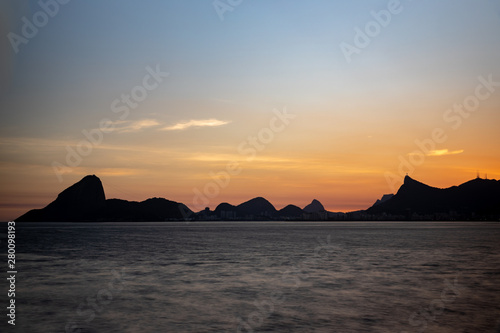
(264, 88)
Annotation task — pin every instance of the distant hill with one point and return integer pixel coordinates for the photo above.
(314, 207)
(478, 199)
(260, 209)
(291, 212)
(85, 201)
(79, 202)
(475, 199)
(384, 198)
(225, 210)
(155, 209)
(254, 209)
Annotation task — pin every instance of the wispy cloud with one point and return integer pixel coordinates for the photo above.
(196, 123)
(135, 126)
(442, 152)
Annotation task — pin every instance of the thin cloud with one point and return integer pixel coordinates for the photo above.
(196, 123)
(135, 126)
(443, 152)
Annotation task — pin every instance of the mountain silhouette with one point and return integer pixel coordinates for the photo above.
(226, 211)
(291, 212)
(79, 202)
(384, 198)
(475, 199)
(256, 208)
(86, 201)
(314, 207)
(154, 209)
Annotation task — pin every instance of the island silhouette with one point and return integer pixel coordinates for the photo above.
(85, 201)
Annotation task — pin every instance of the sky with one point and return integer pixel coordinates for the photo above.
(204, 102)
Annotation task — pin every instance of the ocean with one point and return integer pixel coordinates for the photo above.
(257, 277)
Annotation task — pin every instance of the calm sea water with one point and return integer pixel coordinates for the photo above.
(258, 277)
